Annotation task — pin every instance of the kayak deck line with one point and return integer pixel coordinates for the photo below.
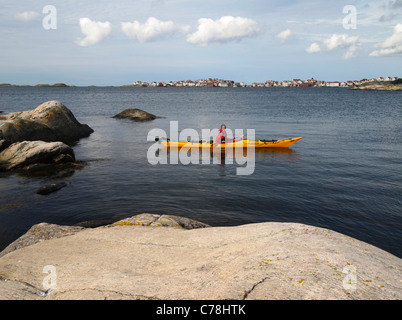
(257, 144)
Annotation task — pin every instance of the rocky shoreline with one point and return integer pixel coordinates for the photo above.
(166, 257)
(380, 86)
(152, 256)
(38, 143)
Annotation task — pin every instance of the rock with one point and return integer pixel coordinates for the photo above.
(379, 85)
(136, 115)
(50, 188)
(256, 261)
(60, 85)
(156, 220)
(51, 121)
(57, 171)
(22, 154)
(38, 233)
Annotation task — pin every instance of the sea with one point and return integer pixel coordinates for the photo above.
(344, 175)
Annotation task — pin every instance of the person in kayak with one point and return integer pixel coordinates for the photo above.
(221, 138)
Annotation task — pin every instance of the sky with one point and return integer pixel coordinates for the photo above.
(118, 42)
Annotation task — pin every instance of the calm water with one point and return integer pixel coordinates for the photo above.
(346, 174)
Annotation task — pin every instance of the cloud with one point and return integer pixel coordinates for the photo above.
(94, 31)
(152, 29)
(350, 45)
(343, 41)
(314, 47)
(396, 4)
(27, 16)
(225, 29)
(392, 45)
(387, 17)
(284, 35)
(391, 10)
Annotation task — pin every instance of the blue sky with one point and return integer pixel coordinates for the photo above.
(118, 42)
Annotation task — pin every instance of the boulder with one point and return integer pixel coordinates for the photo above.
(136, 115)
(51, 121)
(26, 153)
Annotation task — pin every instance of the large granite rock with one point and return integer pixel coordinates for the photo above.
(136, 115)
(256, 261)
(26, 153)
(51, 121)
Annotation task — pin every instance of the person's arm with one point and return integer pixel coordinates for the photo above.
(219, 137)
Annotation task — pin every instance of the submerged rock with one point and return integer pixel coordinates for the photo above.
(136, 115)
(50, 188)
(51, 121)
(23, 154)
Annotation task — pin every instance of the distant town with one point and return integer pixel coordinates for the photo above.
(213, 82)
(269, 83)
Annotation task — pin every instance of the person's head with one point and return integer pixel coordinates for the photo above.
(223, 127)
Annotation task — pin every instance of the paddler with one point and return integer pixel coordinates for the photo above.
(222, 134)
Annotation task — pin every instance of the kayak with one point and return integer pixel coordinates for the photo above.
(257, 144)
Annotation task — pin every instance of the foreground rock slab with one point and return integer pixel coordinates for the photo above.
(256, 261)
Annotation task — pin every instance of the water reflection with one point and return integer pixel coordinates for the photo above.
(240, 158)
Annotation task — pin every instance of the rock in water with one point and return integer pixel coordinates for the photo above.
(51, 121)
(22, 154)
(48, 189)
(135, 114)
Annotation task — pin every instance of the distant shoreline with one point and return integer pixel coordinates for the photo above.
(395, 85)
(380, 86)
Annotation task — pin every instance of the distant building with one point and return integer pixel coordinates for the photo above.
(333, 84)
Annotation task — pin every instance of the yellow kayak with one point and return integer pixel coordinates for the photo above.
(257, 144)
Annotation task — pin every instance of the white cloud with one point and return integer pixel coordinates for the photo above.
(392, 45)
(94, 31)
(314, 47)
(284, 35)
(27, 16)
(344, 42)
(225, 29)
(350, 45)
(152, 29)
